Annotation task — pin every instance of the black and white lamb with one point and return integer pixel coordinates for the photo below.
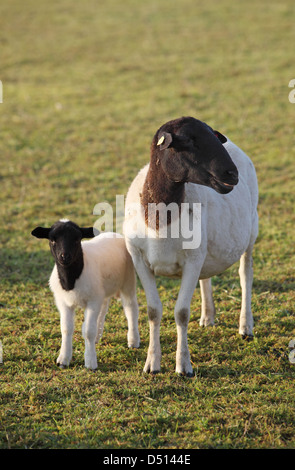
(192, 164)
(87, 274)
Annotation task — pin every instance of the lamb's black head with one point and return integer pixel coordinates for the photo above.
(191, 151)
(64, 240)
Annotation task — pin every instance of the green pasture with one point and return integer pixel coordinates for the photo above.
(85, 86)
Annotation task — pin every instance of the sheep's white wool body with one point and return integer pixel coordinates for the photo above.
(229, 227)
(105, 261)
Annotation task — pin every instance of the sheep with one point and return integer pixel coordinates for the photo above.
(86, 274)
(192, 164)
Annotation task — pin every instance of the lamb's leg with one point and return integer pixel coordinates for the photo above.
(154, 310)
(101, 319)
(246, 280)
(67, 317)
(208, 308)
(90, 334)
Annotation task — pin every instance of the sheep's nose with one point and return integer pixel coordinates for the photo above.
(234, 175)
(65, 257)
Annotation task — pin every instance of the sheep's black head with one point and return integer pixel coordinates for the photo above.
(190, 151)
(64, 240)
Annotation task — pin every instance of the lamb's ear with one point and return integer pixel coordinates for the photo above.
(41, 232)
(87, 232)
(164, 140)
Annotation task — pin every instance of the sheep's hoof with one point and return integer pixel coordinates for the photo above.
(152, 372)
(147, 370)
(247, 337)
(189, 375)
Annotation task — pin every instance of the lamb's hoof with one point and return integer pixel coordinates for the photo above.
(91, 368)
(133, 342)
(147, 370)
(62, 366)
(133, 346)
(206, 323)
(247, 337)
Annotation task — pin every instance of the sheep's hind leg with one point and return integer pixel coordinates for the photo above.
(208, 308)
(130, 305)
(246, 280)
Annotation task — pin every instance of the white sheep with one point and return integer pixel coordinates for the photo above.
(191, 164)
(86, 274)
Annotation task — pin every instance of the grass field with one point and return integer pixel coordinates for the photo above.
(85, 87)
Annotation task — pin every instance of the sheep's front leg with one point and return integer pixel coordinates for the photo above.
(182, 313)
(90, 334)
(208, 308)
(131, 312)
(67, 317)
(153, 360)
(246, 280)
(154, 310)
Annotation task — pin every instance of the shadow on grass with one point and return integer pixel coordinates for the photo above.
(260, 286)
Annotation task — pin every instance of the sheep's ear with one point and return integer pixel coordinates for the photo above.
(220, 136)
(87, 232)
(167, 139)
(164, 141)
(41, 232)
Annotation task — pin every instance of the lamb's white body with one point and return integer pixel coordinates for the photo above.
(229, 227)
(108, 270)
